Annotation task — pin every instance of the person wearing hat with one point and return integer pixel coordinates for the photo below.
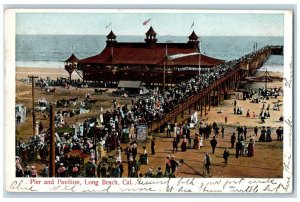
(19, 171)
(61, 172)
(188, 136)
(103, 170)
(238, 148)
(232, 140)
(226, 156)
(174, 165)
(75, 170)
(279, 133)
(90, 168)
(268, 132)
(144, 156)
(121, 168)
(116, 171)
(27, 172)
(183, 144)
(223, 132)
(128, 152)
(149, 173)
(132, 169)
(46, 171)
(17, 160)
(207, 161)
(168, 129)
(245, 132)
(175, 130)
(196, 141)
(33, 171)
(133, 172)
(255, 131)
(153, 146)
(178, 135)
(213, 144)
(168, 166)
(159, 173)
(262, 137)
(251, 147)
(129, 165)
(134, 151)
(175, 145)
(200, 144)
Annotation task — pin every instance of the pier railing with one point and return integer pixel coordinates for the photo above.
(189, 102)
(254, 62)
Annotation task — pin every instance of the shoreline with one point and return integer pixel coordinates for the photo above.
(53, 73)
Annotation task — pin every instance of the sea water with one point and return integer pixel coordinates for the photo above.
(52, 50)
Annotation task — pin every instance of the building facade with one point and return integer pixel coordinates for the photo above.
(149, 61)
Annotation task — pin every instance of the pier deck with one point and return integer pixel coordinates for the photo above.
(203, 99)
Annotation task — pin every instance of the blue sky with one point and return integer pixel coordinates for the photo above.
(178, 24)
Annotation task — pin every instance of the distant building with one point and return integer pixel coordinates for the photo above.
(71, 65)
(132, 87)
(146, 61)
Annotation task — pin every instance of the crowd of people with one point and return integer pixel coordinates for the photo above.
(119, 126)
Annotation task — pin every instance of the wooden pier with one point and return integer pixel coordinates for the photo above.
(203, 100)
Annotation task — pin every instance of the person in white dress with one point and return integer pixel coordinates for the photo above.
(175, 130)
(201, 142)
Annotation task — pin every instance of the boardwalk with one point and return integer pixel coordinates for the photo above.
(238, 70)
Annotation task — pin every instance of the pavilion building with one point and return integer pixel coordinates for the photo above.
(149, 61)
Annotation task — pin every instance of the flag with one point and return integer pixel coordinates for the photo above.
(181, 55)
(146, 22)
(192, 25)
(108, 25)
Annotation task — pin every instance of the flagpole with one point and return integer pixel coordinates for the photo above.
(166, 49)
(164, 76)
(199, 63)
(166, 58)
(109, 25)
(200, 58)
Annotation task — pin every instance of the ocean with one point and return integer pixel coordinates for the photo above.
(52, 50)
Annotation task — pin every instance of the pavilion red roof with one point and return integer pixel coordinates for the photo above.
(151, 31)
(143, 54)
(72, 58)
(111, 35)
(193, 35)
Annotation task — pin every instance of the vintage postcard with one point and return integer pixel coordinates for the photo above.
(148, 101)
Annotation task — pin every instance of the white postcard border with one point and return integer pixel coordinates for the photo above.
(146, 185)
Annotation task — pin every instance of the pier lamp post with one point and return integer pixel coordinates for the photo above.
(52, 141)
(32, 77)
(164, 74)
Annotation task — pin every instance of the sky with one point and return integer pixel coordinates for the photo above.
(174, 24)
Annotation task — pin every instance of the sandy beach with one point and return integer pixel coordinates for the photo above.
(267, 161)
(226, 106)
(53, 73)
